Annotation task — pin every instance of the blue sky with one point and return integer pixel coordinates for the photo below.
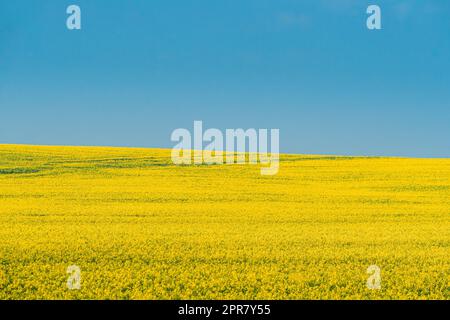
(140, 69)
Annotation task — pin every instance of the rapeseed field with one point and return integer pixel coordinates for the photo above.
(139, 227)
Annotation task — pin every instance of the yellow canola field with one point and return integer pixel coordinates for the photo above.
(139, 227)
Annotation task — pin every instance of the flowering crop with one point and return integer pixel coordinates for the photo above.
(139, 227)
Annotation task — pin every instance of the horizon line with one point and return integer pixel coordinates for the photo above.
(166, 148)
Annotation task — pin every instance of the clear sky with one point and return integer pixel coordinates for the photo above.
(137, 70)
